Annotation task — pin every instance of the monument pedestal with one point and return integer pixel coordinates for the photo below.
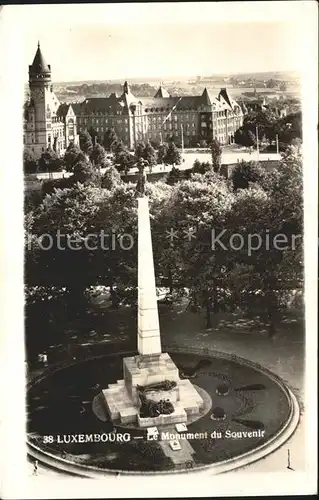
(122, 399)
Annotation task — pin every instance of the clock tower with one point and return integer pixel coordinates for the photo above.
(39, 83)
(48, 124)
(41, 113)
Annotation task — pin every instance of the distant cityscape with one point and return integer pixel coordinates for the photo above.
(268, 83)
(188, 112)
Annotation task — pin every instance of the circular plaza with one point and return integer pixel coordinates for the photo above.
(248, 413)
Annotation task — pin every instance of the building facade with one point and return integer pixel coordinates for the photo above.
(48, 124)
(190, 121)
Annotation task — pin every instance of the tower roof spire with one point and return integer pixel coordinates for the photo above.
(39, 64)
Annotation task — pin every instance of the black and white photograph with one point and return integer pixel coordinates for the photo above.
(168, 219)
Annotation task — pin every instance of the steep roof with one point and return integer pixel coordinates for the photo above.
(161, 103)
(39, 64)
(162, 92)
(62, 110)
(223, 95)
(186, 103)
(206, 98)
(127, 98)
(96, 104)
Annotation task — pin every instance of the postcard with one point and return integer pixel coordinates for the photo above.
(159, 285)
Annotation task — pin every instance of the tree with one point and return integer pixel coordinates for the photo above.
(175, 175)
(245, 137)
(98, 156)
(246, 172)
(94, 135)
(201, 167)
(155, 143)
(145, 152)
(85, 173)
(109, 139)
(271, 83)
(118, 147)
(86, 143)
(124, 160)
(139, 150)
(193, 207)
(111, 178)
(271, 271)
(49, 161)
(150, 154)
(271, 131)
(173, 156)
(290, 127)
(216, 152)
(70, 211)
(29, 162)
(161, 153)
(72, 156)
(264, 119)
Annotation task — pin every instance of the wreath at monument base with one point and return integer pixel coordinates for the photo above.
(151, 408)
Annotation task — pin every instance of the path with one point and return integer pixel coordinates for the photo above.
(228, 157)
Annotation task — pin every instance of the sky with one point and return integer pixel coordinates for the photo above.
(104, 42)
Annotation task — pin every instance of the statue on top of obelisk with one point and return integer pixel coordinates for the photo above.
(141, 181)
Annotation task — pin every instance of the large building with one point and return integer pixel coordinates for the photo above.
(48, 124)
(189, 120)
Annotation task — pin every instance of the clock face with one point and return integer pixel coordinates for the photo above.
(38, 93)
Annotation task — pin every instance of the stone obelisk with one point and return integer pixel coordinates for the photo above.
(150, 366)
(149, 340)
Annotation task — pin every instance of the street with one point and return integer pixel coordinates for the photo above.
(228, 157)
